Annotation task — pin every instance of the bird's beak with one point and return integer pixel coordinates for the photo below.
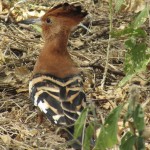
(83, 26)
(31, 21)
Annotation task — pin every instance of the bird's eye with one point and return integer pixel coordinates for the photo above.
(48, 21)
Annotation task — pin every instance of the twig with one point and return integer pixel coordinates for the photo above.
(16, 37)
(116, 72)
(83, 26)
(79, 55)
(84, 127)
(91, 63)
(108, 47)
(148, 5)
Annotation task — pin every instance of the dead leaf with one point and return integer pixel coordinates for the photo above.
(134, 6)
(8, 79)
(22, 90)
(77, 43)
(98, 132)
(6, 139)
(29, 132)
(1, 7)
(146, 132)
(106, 105)
(21, 71)
(33, 132)
(2, 58)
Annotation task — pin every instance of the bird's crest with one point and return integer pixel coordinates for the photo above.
(67, 10)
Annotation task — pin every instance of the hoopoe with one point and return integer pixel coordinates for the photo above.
(56, 86)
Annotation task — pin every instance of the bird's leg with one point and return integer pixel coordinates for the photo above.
(39, 117)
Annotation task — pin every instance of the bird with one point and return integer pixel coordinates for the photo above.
(56, 86)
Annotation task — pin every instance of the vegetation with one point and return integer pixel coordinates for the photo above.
(136, 60)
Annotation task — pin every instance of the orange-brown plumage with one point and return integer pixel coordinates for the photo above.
(54, 57)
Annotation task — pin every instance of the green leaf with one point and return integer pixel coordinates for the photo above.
(139, 32)
(140, 143)
(118, 4)
(79, 124)
(125, 80)
(108, 135)
(136, 59)
(88, 136)
(129, 113)
(138, 117)
(141, 18)
(129, 31)
(148, 50)
(138, 55)
(130, 43)
(127, 142)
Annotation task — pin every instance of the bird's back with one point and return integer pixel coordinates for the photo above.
(60, 99)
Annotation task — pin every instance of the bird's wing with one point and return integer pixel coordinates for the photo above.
(61, 100)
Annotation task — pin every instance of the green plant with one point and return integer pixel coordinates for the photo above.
(136, 59)
(132, 138)
(137, 54)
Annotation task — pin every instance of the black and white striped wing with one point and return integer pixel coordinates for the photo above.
(61, 100)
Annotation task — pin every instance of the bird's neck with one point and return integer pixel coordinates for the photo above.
(56, 46)
(55, 59)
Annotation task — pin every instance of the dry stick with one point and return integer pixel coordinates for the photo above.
(83, 131)
(16, 38)
(4, 148)
(148, 6)
(108, 47)
(99, 66)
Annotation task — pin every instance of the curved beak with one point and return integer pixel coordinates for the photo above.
(31, 21)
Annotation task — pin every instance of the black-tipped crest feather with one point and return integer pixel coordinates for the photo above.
(66, 9)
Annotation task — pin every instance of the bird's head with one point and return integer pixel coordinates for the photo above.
(60, 19)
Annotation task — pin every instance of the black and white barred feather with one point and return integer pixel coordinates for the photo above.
(61, 100)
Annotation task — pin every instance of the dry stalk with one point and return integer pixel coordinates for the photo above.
(108, 47)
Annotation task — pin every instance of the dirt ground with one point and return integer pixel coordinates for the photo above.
(19, 48)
